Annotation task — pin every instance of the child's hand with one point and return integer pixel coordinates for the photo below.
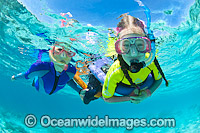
(137, 99)
(82, 93)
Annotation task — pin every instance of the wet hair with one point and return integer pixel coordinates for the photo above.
(131, 24)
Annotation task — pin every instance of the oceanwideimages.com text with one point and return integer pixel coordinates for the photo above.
(129, 123)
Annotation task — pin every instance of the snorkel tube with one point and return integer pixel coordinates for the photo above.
(149, 34)
(152, 39)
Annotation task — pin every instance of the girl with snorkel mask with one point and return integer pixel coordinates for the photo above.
(136, 73)
(135, 63)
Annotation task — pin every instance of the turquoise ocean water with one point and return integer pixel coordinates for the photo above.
(178, 54)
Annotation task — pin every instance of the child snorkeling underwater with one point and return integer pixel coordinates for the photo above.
(136, 73)
(50, 77)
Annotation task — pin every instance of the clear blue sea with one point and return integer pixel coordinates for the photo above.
(178, 54)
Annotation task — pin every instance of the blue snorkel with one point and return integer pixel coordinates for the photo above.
(152, 38)
(150, 33)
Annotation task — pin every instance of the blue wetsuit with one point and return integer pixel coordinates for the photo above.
(47, 79)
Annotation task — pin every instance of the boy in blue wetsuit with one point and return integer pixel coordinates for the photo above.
(50, 77)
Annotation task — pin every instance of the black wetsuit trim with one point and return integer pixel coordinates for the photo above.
(55, 83)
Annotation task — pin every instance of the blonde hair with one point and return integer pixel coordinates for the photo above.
(130, 25)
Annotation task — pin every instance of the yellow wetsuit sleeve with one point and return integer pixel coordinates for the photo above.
(156, 73)
(113, 76)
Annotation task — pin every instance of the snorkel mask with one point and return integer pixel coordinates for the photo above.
(63, 53)
(142, 44)
(61, 49)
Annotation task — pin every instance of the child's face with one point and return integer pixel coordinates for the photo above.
(62, 57)
(133, 52)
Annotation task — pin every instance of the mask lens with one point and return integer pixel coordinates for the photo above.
(140, 44)
(58, 50)
(58, 47)
(125, 46)
(70, 53)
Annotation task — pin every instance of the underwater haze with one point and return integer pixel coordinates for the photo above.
(22, 34)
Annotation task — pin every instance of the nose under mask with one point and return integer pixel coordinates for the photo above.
(133, 51)
(62, 55)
